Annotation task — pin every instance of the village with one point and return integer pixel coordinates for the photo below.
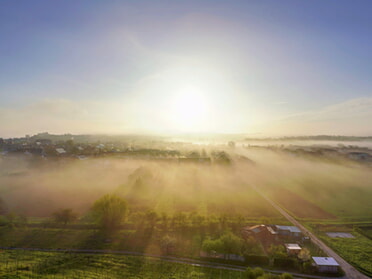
(82, 147)
(287, 248)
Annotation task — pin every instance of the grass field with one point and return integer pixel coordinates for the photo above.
(27, 264)
(144, 241)
(299, 206)
(357, 251)
(149, 241)
(163, 187)
(366, 231)
(316, 189)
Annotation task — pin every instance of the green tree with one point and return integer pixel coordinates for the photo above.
(180, 220)
(64, 216)
(249, 274)
(151, 218)
(212, 245)
(257, 272)
(228, 243)
(304, 255)
(110, 211)
(167, 244)
(307, 266)
(251, 246)
(232, 244)
(277, 251)
(196, 219)
(164, 221)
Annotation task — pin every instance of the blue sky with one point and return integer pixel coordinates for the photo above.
(269, 67)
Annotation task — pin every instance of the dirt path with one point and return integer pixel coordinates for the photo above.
(350, 271)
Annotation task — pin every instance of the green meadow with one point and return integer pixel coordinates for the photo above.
(27, 264)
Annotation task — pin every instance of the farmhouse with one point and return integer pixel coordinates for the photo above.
(292, 248)
(288, 231)
(264, 233)
(326, 264)
(258, 231)
(272, 234)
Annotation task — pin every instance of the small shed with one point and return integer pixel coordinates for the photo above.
(292, 248)
(326, 264)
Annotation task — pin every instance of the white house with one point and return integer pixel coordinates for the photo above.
(326, 264)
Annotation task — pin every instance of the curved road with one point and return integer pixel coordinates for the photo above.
(350, 271)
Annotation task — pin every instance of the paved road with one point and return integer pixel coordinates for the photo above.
(350, 271)
(169, 259)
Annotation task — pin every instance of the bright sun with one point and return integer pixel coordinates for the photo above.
(189, 109)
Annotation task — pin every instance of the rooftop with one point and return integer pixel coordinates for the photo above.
(329, 261)
(292, 246)
(257, 228)
(270, 229)
(60, 150)
(292, 229)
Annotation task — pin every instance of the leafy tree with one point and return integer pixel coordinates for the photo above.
(196, 219)
(232, 244)
(307, 266)
(212, 245)
(151, 218)
(228, 243)
(251, 246)
(164, 220)
(110, 211)
(167, 243)
(64, 216)
(257, 272)
(179, 220)
(304, 255)
(249, 274)
(277, 251)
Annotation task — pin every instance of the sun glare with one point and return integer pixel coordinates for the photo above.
(189, 109)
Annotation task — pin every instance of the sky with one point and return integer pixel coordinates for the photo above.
(262, 67)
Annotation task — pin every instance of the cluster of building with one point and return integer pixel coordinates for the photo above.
(273, 234)
(350, 152)
(37, 146)
(291, 238)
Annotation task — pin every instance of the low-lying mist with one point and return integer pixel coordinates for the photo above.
(310, 187)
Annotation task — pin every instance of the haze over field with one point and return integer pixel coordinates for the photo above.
(194, 139)
(40, 188)
(254, 67)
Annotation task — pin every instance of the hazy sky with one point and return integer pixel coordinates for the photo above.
(255, 67)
